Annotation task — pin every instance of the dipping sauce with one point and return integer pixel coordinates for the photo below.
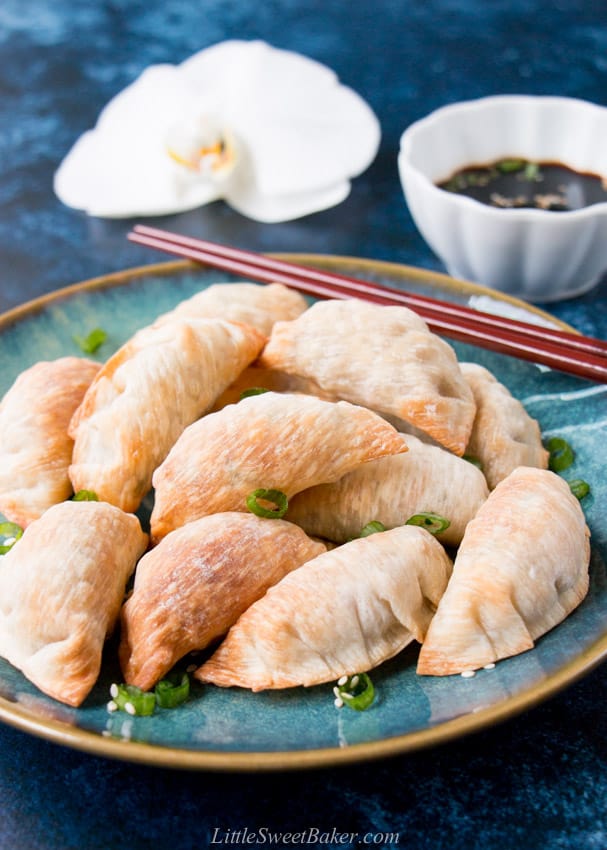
(519, 183)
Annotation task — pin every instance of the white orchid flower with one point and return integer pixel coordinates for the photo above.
(271, 132)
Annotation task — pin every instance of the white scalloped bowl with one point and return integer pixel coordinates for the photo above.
(538, 255)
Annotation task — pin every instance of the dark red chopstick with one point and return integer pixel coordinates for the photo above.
(362, 287)
(573, 353)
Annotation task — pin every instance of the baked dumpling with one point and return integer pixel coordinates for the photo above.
(61, 588)
(195, 584)
(256, 377)
(522, 567)
(159, 382)
(35, 448)
(426, 479)
(250, 303)
(384, 358)
(271, 441)
(504, 435)
(342, 613)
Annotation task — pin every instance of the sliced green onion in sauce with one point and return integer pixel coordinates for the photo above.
(433, 523)
(507, 166)
(253, 391)
(475, 461)
(172, 691)
(356, 692)
(132, 699)
(275, 497)
(579, 487)
(532, 171)
(561, 454)
(90, 343)
(85, 496)
(10, 532)
(372, 528)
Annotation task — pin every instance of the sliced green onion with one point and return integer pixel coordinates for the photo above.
(10, 532)
(506, 166)
(132, 699)
(475, 461)
(532, 171)
(85, 496)
(372, 528)
(579, 487)
(356, 692)
(276, 497)
(561, 454)
(90, 343)
(253, 391)
(172, 691)
(433, 523)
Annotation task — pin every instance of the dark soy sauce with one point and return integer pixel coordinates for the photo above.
(518, 183)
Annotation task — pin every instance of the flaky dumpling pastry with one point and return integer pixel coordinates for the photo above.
(155, 385)
(259, 305)
(256, 377)
(384, 358)
(61, 588)
(426, 479)
(35, 447)
(522, 567)
(342, 613)
(504, 435)
(196, 583)
(276, 441)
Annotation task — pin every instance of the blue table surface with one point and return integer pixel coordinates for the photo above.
(538, 780)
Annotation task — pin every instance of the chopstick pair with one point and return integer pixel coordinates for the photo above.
(583, 356)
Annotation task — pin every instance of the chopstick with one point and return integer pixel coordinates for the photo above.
(572, 353)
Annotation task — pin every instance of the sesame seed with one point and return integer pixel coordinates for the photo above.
(468, 674)
(114, 690)
(337, 692)
(342, 681)
(490, 666)
(338, 703)
(355, 681)
(346, 695)
(111, 706)
(130, 708)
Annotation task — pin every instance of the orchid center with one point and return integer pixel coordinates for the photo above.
(202, 148)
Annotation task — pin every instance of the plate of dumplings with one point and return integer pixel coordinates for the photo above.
(217, 485)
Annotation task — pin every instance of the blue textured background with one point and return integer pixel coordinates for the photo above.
(537, 781)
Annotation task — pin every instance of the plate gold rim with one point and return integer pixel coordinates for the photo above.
(241, 761)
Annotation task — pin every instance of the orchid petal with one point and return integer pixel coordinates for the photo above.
(109, 174)
(299, 136)
(273, 208)
(306, 131)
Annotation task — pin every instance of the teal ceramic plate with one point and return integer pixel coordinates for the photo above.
(237, 730)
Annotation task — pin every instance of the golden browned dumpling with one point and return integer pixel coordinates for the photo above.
(504, 436)
(256, 377)
(61, 588)
(522, 567)
(272, 441)
(259, 305)
(426, 479)
(35, 448)
(384, 358)
(342, 613)
(196, 583)
(159, 382)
